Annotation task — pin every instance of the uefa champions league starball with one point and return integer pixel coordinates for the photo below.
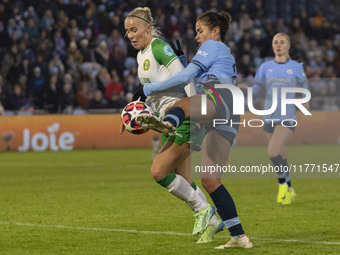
(129, 117)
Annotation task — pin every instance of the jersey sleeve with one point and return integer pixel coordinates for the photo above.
(301, 77)
(259, 80)
(163, 53)
(206, 55)
(175, 66)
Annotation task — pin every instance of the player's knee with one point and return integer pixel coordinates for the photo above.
(273, 152)
(210, 184)
(157, 173)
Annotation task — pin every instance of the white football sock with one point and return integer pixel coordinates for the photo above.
(213, 219)
(183, 190)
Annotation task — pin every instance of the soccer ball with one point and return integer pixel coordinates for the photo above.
(129, 117)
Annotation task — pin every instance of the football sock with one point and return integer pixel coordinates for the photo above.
(213, 219)
(179, 187)
(193, 185)
(227, 210)
(279, 163)
(288, 176)
(175, 116)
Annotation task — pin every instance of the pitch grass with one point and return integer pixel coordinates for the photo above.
(76, 203)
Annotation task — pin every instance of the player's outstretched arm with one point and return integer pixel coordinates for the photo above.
(181, 78)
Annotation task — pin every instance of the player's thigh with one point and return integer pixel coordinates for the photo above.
(215, 152)
(192, 107)
(215, 148)
(168, 159)
(269, 136)
(279, 140)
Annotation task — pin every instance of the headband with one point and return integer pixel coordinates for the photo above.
(131, 15)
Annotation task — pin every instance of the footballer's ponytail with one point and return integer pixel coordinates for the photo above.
(144, 13)
(217, 19)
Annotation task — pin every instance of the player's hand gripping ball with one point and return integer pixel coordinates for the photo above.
(129, 117)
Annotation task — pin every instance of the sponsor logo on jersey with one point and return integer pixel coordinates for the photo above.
(202, 53)
(168, 50)
(146, 65)
(144, 80)
(289, 71)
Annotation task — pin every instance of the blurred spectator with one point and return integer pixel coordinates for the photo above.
(85, 51)
(90, 23)
(117, 59)
(117, 24)
(26, 52)
(77, 57)
(97, 102)
(173, 26)
(31, 14)
(185, 15)
(36, 88)
(2, 109)
(3, 94)
(17, 100)
(56, 64)
(257, 11)
(246, 23)
(281, 27)
(66, 99)
(83, 96)
(11, 60)
(115, 86)
(73, 31)
(32, 30)
(314, 49)
(41, 63)
(159, 18)
(102, 54)
(318, 62)
(3, 14)
(103, 78)
(59, 42)
(104, 22)
(44, 5)
(246, 68)
(47, 22)
(22, 72)
(115, 40)
(74, 9)
(62, 20)
(3, 37)
(13, 27)
(51, 95)
(189, 44)
(115, 101)
(130, 84)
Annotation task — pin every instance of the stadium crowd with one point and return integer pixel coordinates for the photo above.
(71, 56)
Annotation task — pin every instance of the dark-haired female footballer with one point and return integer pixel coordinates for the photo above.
(212, 64)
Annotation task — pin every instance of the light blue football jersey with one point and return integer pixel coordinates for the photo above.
(278, 75)
(215, 59)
